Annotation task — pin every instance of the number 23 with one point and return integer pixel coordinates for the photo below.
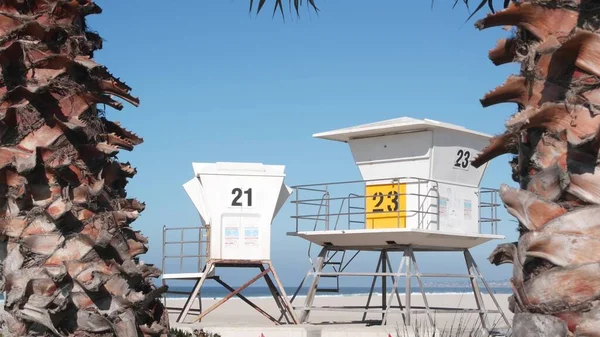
(463, 159)
(391, 195)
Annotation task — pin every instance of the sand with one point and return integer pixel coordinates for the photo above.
(236, 313)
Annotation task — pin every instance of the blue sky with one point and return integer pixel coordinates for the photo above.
(218, 84)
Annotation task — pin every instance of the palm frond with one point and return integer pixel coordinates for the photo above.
(278, 4)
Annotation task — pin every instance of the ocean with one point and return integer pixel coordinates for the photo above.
(218, 292)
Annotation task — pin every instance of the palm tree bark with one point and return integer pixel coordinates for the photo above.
(69, 256)
(554, 138)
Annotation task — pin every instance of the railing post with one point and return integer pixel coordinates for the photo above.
(326, 207)
(420, 209)
(199, 249)
(398, 210)
(297, 207)
(437, 189)
(480, 210)
(495, 213)
(208, 234)
(163, 247)
(162, 267)
(349, 209)
(181, 252)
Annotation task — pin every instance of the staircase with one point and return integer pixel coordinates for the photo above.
(336, 265)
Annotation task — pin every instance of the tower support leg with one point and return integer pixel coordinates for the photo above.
(397, 293)
(367, 306)
(310, 296)
(235, 292)
(397, 277)
(384, 305)
(479, 275)
(190, 301)
(408, 268)
(298, 289)
(421, 287)
(407, 259)
(483, 315)
(285, 304)
(247, 301)
(279, 295)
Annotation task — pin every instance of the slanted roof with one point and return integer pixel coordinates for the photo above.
(391, 126)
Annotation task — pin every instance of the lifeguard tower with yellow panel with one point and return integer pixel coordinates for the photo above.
(418, 192)
(424, 150)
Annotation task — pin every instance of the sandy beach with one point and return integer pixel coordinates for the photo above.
(236, 313)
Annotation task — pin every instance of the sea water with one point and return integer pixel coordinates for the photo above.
(258, 292)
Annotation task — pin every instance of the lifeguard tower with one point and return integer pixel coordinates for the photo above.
(418, 193)
(237, 203)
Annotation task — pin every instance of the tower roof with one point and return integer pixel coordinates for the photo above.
(391, 126)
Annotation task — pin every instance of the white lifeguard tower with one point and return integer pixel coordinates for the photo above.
(237, 203)
(418, 193)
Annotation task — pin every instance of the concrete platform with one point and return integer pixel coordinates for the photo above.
(266, 331)
(309, 331)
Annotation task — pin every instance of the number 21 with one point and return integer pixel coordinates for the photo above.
(238, 194)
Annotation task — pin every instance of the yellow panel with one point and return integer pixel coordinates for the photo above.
(388, 204)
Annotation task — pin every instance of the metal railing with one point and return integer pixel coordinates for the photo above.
(488, 209)
(318, 200)
(183, 244)
(328, 206)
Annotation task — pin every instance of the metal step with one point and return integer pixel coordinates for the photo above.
(330, 290)
(500, 332)
(332, 263)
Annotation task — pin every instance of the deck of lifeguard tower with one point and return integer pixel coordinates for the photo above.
(418, 193)
(339, 221)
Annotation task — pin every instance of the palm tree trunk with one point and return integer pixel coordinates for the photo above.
(69, 257)
(554, 137)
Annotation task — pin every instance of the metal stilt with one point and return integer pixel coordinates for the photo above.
(408, 307)
(407, 269)
(279, 295)
(283, 295)
(418, 275)
(487, 287)
(367, 306)
(393, 281)
(310, 296)
(190, 300)
(395, 290)
(476, 291)
(384, 305)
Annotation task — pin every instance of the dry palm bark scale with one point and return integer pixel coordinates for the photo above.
(69, 256)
